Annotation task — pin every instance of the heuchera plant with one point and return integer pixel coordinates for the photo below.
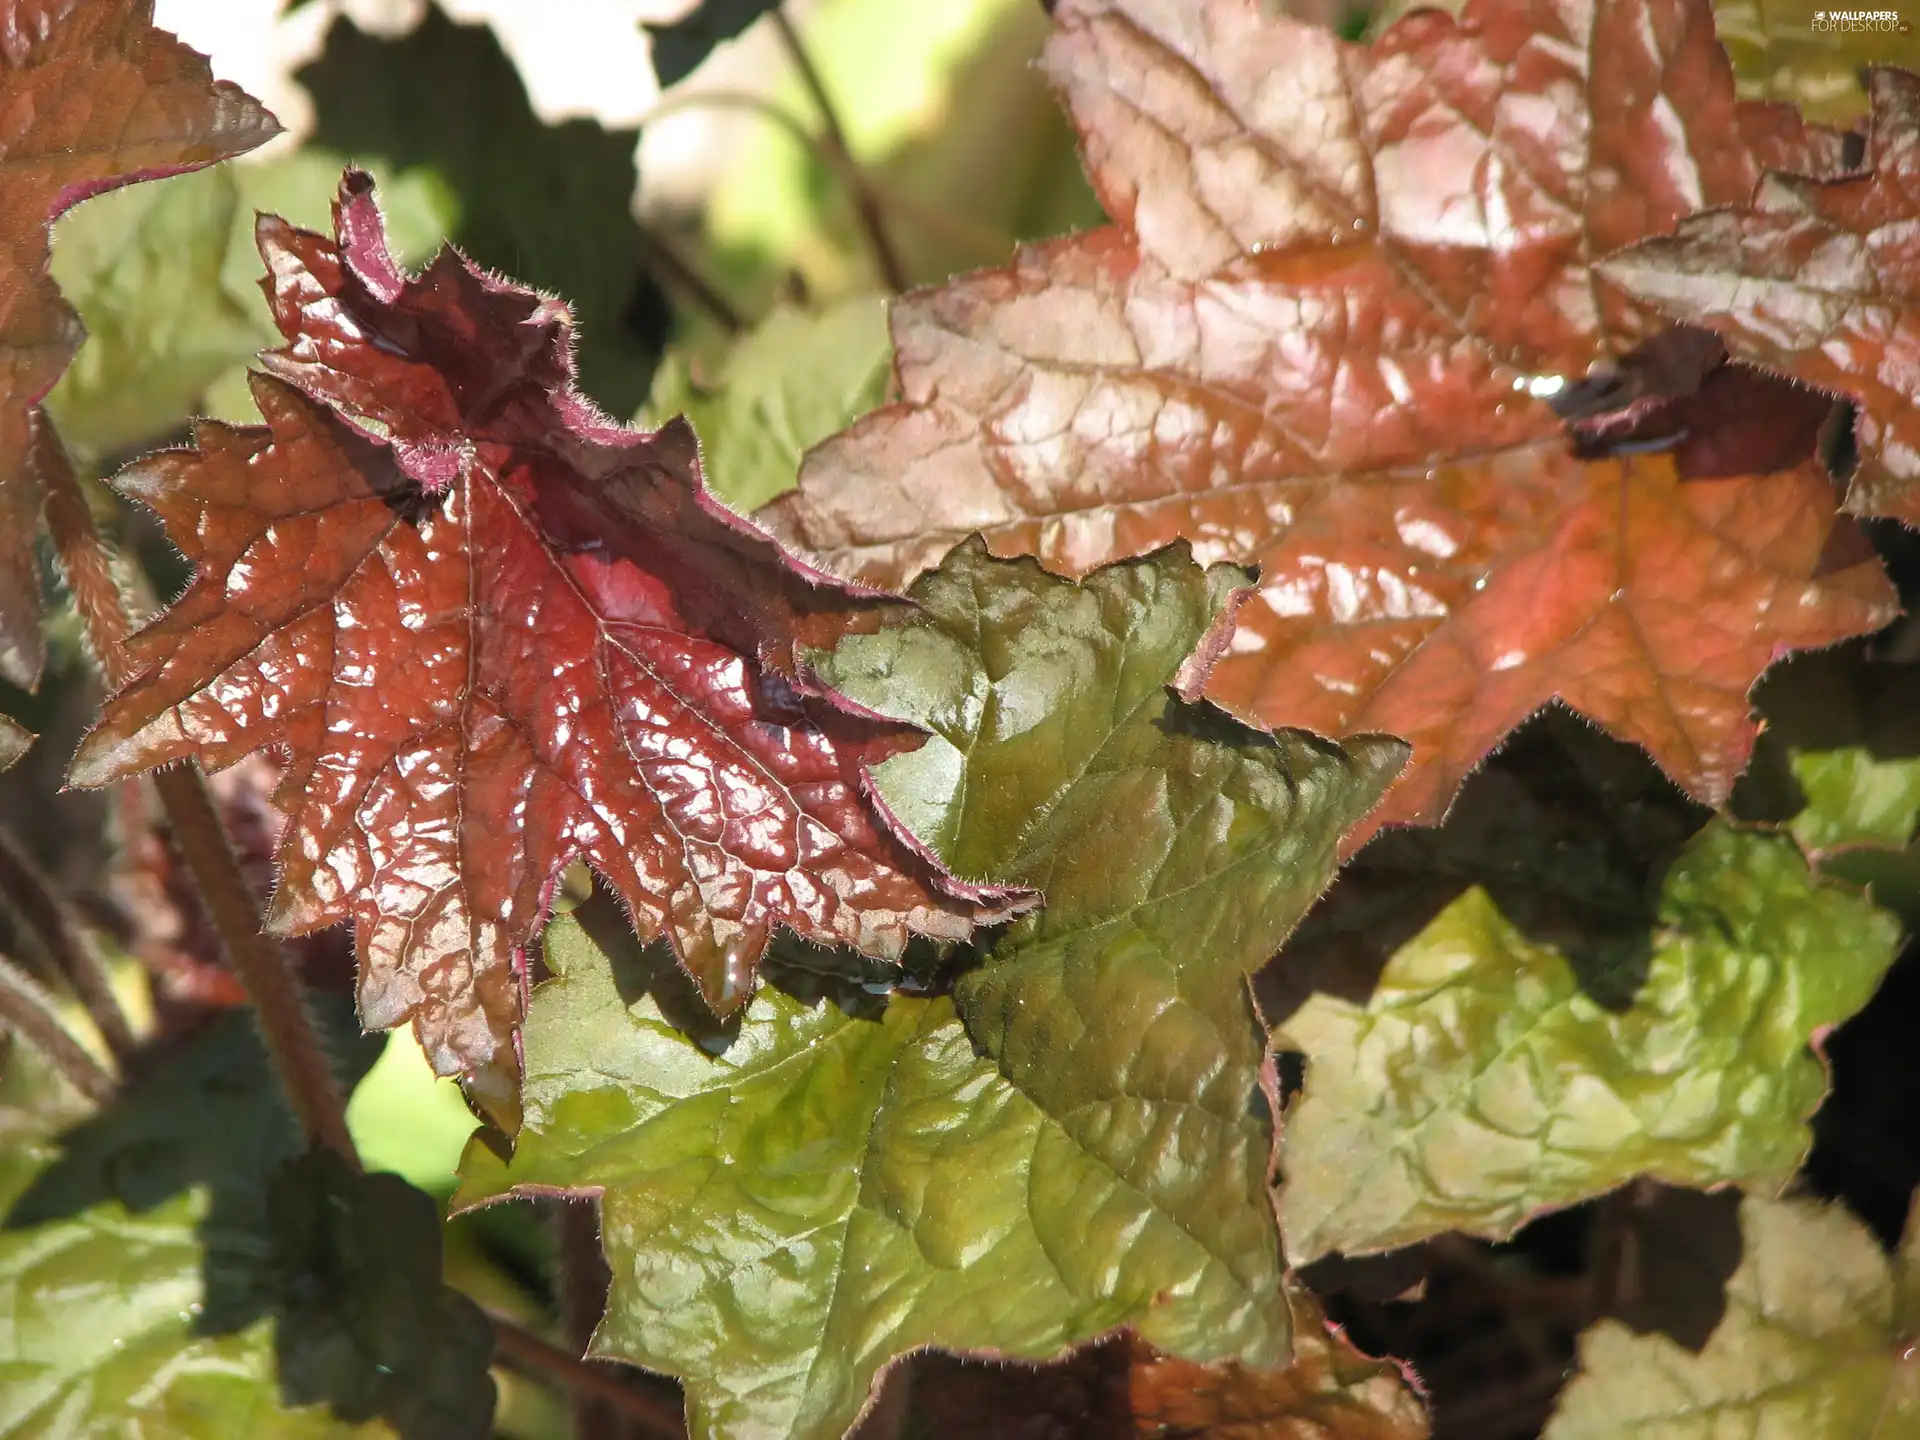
(891, 929)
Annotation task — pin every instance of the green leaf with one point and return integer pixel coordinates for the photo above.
(1859, 820)
(143, 267)
(164, 276)
(1568, 830)
(1790, 50)
(550, 205)
(1855, 799)
(130, 1252)
(1075, 1140)
(365, 1324)
(1817, 1343)
(950, 120)
(1483, 1082)
(148, 1288)
(788, 384)
(408, 1120)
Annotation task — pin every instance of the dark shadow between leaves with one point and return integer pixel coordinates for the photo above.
(1677, 1250)
(679, 48)
(1866, 1149)
(1569, 831)
(858, 985)
(642, 969)
(1678, 392)
(213, 1116)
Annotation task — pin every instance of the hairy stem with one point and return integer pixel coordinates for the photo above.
(519, 1346)
(29, 1012)
(872, 223)
(31, 896)
(84, 561)
(278, 998)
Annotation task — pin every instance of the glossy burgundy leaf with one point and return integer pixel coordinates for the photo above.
(93, 97)
(1819, 280)
(1321, 337)
(495, 631)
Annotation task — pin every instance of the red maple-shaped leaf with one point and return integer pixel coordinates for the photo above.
(1343, 282)
(93, 97)
(494, 631)
(1819, 280)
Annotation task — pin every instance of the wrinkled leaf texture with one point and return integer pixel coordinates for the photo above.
(1817, 1343)
(1073, 1140)
(1314, 340)
(496, 631)
(1482, 1083)
(95, 97)
(1819, 280)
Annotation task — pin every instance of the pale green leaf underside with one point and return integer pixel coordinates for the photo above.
(1816, 1344)
(790, 382)
(164, 276)
(1087, 1150)
(1481, 1084)
(1854, 798)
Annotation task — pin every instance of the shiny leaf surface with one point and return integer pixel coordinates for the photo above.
(498, 632)
(1484, 1082)
(1075, 1140)
(1819, 281)
(789, 383)
(1341, 278)
(131, 1254)
(1817, 1343)
(96, 97)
